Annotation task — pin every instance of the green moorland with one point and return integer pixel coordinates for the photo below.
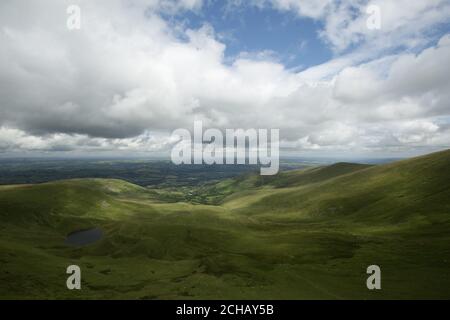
(305, 234)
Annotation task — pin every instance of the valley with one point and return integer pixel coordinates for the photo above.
(308, 233)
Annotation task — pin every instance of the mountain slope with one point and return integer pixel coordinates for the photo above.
(301, 235)
(311, 175)
(412, 189)
(232, 188)
(54, 204)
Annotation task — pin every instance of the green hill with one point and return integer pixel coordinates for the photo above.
(307, 234)
(311, 175)
(217, 193)
(399, 192)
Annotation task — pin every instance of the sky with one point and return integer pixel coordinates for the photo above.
(336, 77)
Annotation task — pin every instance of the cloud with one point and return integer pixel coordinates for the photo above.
(128, 78)
(15, 141)
(312, 9)
(404, 23)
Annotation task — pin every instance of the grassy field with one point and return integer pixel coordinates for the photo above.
(305, 234)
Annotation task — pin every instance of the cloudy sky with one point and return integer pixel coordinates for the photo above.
(138, 69)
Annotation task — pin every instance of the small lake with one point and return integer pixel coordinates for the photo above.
(84, 237)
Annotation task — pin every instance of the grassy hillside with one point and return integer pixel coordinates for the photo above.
(388, 194)
(307, 234)
(311, 175)
(217, 193)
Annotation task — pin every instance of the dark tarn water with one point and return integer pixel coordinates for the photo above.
(84, 237)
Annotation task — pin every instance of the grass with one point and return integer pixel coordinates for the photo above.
(306, 234)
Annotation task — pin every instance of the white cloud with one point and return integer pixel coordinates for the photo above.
(403, 22)
(127, 79)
